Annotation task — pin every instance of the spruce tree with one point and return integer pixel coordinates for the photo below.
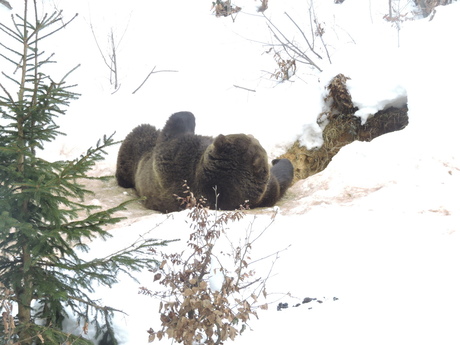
(43, 221)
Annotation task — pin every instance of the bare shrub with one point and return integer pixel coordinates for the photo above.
(290, 53)
(286, 68)
(111, 59)
(398, 13)
(291, 49)
(204, 302)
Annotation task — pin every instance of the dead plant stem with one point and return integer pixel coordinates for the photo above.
(151, 72)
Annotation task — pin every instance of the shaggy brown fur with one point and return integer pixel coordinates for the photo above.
(233, 166)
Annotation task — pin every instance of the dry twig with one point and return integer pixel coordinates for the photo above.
(292, 49)
(152, 72)
(111, 61)
(244, 88)
(6, 4)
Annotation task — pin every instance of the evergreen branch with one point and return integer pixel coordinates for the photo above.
(95, 154)
(95, 305)
(33, 58)
(50, 22)
(67, 74)
(11, 50)
(11, 33)
(7, 93)
(18, 26)
(93, 223)
(127, 253)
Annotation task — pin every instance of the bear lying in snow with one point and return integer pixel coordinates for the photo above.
(156, 163)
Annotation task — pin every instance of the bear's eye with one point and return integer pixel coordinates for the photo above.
(263, 171)
(259, 167)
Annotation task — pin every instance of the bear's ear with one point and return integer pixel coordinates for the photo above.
(220, 141)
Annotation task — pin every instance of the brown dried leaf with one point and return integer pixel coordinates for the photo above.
(264, 293)
(206, 304)
(170, 332)
(219, 320)
(85, 328)
(212, 318)
(232, 333)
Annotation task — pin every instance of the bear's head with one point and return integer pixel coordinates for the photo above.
(237, 164)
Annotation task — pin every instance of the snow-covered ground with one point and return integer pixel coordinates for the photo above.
(378, 229)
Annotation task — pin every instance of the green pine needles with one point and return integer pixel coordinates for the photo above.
(42, 218)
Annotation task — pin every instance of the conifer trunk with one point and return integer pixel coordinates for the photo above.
(25, 296)
(24, 293)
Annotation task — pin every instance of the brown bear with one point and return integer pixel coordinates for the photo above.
(226, 171)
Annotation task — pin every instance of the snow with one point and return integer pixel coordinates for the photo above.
(378, 228)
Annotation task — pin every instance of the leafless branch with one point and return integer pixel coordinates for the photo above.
(111, 61)
(319, 31)
(244, 88)
(151, 72)
(311, 46)
(270, 255)
(99, 47)
(291, 49)
(6, 4)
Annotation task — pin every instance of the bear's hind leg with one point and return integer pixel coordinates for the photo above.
(283, 171)
(281, 176)
(141, 140)
(178, 124)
